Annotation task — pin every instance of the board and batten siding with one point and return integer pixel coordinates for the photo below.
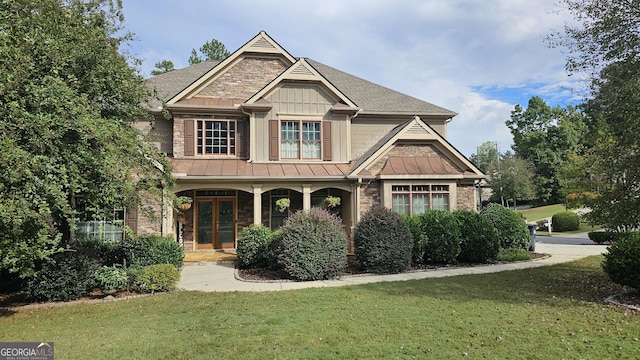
(302, 102)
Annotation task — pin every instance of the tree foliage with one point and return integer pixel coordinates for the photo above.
(162, 67)
(511, 179)
(604, 44)
(210, 50)
(485, 155)
(68, 101)
(547, 137)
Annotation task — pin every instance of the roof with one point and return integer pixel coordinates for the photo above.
(419, 165)
(368, 96)
(234, 168)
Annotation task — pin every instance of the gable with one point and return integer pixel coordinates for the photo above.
(297, 98)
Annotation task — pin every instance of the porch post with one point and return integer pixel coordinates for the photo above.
(306, 197)
(257, 204)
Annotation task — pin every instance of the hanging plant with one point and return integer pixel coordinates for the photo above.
(183, 202)
(283, 204)
(332, 201)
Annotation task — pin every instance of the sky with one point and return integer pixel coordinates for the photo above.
(478, 58)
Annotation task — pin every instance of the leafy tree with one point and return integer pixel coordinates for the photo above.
(486, 154)
(210, 50)
(162, 67)
(68, 101)
(510, 179)
(546, 137)
(604, 44)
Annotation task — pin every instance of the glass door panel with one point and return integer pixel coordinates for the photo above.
(226, 225)
(205, 230)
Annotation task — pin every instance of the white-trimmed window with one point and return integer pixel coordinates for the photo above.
(108, 228)
(216, 137)
(300, 139)
(416, 199)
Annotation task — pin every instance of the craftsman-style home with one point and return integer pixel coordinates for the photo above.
(262, 126)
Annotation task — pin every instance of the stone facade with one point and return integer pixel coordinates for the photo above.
(245, 79)
(466, 197)
(409, 150)
(369, 196)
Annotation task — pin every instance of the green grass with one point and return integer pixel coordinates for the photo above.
(544, 313)
(542, 212)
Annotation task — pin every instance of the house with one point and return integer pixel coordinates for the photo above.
(262, 125)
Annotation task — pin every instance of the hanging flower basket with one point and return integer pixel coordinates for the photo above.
(184, 207)
(183, 202)
(332, 201)
(283, 204)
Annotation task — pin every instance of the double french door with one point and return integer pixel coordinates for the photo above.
(215, 223)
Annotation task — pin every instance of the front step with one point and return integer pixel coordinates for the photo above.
(212, 256)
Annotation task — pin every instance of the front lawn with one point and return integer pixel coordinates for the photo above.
(550, 312)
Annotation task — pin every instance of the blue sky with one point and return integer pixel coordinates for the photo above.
(477, 58)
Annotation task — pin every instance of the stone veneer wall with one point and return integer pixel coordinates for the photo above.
(409, 150)
(466, 197)
(369, 196)
(245, 78)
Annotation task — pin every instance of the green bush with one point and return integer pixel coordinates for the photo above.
(565, 221)
(312, 245)
(479, 238)
(512, 254)
(622, 261)
(418, 239)
(442, 235)
(253, 246)
(512, 230)
(382, 242)
(111, 277)
(601, 237)
(68, 275)
(95, 248)
(159, 277)
(144, 250)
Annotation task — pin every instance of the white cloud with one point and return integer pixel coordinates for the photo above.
(454, 53)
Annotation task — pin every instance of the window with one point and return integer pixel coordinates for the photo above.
(416, 199)
(108, 228)
(216, 137)
(300, 140)
(278, 215)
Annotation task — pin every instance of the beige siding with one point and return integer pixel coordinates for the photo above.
(366, 133)
(308, 102)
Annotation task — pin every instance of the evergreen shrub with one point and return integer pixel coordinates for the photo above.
(418, 239)
(382, 242)
(479, 238)
(442, 235)
(565, 221)
(512, 230)
(622, 261)
(312, 245)
(144, 250)
(158, 277)
(253, 246)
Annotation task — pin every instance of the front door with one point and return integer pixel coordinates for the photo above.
(216, 225)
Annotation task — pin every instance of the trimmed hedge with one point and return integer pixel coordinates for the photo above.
(312, 245)
(253, 246)
(419, 240)
(512, 230)
(145, 250)
(622, 261)
(565, 221)
(158, 277)
(479, 238)
(382, 242)
(442, 236)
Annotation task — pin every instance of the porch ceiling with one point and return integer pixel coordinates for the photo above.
(239, 168)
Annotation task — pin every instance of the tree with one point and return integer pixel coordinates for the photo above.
(68, 101)
(546, 137)
(162, 67)
(486, 154)
(604, 44)
(510, 179)
(210, 50)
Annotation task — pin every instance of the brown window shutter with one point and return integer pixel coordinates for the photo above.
(242, 145)
(189, 133)
(273, 140)
(326, 141)
(131, 219)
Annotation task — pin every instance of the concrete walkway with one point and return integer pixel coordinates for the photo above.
(221, 276)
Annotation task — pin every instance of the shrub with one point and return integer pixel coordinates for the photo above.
(622, 261)
(479, 238)
(382, 242)
(159, 277)
(442, 235)
(542, 225)
(565, 221)
(512, 254)
(111, 277)
(312, 245)
(95, 248)
(601, 237)
(253, 246)
(512, 230)
(147, 250)
(418, 239)
(68, 275)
